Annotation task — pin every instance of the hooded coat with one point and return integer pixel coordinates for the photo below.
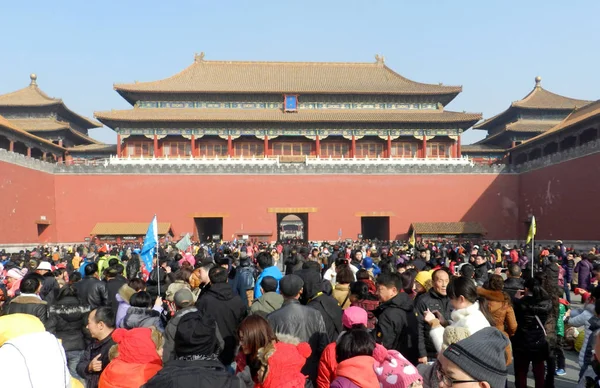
(584, 274)
(142, 317)
(70, 318)
(356, 372)
(229, 311)
(266, 304)
(500, 308)
(396, 327)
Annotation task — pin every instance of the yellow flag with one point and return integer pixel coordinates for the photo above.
(412, 239)
(532, 230)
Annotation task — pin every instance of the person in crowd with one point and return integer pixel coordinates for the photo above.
(569, 266)
(313, 296)
(476, 361)
(584, 272)
(363, 276)
(302, 322)
(70, 318)
(395, 371)
(481, 269)
(370, 267)
(49, 285)
(30, 302)
(423, 282)
(184, 302)
(31, 356)
(123, 298)
(101, 324)
(436, 299)
(13, 281)
(197, 358)
(361, 297)
(270, 299)
(254, 333)
(134, 359)
(331, 273)
(587, 369)
(200, 276)
(532, 308)
(563, 314)
(554, 272)
(470, 311)
(91, 290)
(408, 282)
(353, 318)
(243, 282)
(182, 278)
(341, 290)
(114, 280)
(468, 271)
(226, 307)
(500, 307)
(293, 262)
(581, 318)
(513, 283)
(158, 281)
(264, 261)
(141, 313)
(354, 355)
(396, 320)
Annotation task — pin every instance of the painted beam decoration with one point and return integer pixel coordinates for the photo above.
(291, 104)
(199, 132)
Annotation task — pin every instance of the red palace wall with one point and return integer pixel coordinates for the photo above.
(564, 198)
(83, 200)
(25, 196)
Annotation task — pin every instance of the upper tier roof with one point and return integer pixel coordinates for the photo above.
(33, 96)
(538, 98)
(49, 124)
(277, 115)
(288, 77)
(5, 123)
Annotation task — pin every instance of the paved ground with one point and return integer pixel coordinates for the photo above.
(570, 379)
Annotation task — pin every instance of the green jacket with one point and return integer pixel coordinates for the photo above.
(563, 306)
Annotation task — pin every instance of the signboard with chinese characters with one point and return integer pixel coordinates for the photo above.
(290, 103)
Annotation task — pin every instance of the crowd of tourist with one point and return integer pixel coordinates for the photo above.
(293, 314)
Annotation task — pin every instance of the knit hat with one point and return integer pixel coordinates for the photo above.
(136, 346)
(354, 316)
(482, 356)
(367, 263)
(395, 371)
(423, 277)
(290, 285)
(282, 362)
(183, 298)
(15, 273)
(195, 335)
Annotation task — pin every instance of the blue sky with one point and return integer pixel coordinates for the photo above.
(493, 48)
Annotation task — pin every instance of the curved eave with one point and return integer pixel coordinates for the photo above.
(7, 126)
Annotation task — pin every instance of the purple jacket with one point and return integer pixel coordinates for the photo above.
(584, 272)
(342, 382)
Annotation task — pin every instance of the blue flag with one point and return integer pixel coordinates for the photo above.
(150, 242)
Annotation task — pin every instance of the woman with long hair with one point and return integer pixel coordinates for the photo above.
(254, 333)
(361, 297)
(532, 308)
(470, 311)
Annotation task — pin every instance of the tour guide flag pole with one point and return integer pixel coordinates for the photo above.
(531, 238)
(149, 248)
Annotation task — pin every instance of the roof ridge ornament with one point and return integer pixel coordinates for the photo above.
(379, 59)
(538, 82)
(199, 57)
(33, 78)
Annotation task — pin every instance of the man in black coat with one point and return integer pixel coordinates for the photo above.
(313, 296)
(114, 281)
(50, 286)
(481, 270)
(435, 300)
(91, 290)
(226, 307)
(101, 324)
(513, 282)
(396, 321)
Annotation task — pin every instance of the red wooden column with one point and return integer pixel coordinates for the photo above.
(389, 146)
(266, 146)
(318, 147)
(353, 146)
(29, 152)
(155, 146)
(424, 152)
(229, 146)
(193, 146)
(118, 145)
(11, 146)
(458, 153)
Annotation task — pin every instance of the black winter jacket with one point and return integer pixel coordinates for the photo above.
(112, 288)
(530, 337)
(71, 319)
(229, 311)
(331, 312)
(433, 301)
(92, 350)
(50, 288)
(197, 374)
(397, 326)
(512, 285)
(32, 305)
(481, 273)
(92, 292)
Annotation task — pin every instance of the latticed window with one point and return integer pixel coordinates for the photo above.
(213, 149)
(140, 148)
(371, 150)
(177, 148)
(438, 150)
(249, 149)
(335, 150)
(404, 150)
(294, 149)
